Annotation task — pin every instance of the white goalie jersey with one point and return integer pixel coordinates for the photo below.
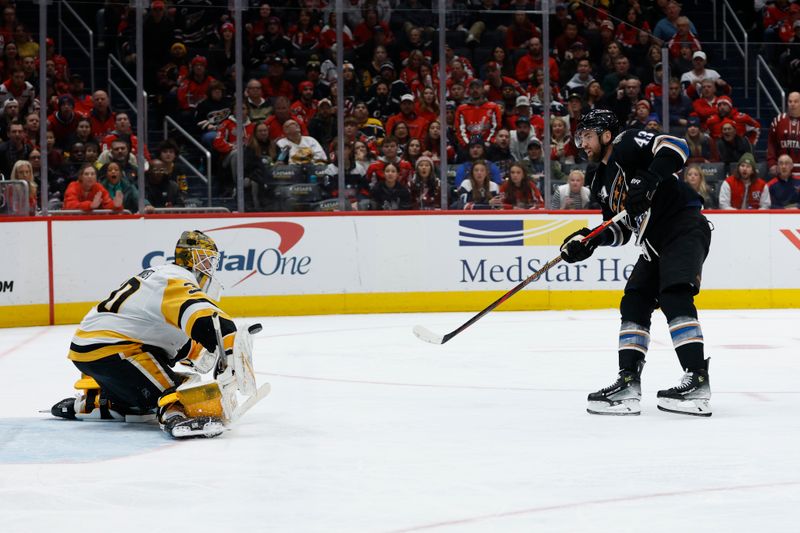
(153, 311)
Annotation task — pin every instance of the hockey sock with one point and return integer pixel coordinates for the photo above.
(687, 338)
(634, 340)
(684, 327)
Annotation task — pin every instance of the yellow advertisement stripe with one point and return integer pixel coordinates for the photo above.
(549, 233)
(432, 302)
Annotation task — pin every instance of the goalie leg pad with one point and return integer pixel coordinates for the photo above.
(200, 400)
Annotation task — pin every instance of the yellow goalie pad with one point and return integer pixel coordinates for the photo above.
(86, 383)
(203, 399)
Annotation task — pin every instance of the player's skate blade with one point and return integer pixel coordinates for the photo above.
(203, 426)
(621, 408)
(685, 407)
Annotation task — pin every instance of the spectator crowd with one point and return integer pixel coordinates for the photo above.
(601, 54)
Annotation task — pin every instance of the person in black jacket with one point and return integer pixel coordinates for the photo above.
(389, 194)
(160, 191)
(256, 160)
(636, 171)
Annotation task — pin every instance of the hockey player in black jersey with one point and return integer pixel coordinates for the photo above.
(636, 171)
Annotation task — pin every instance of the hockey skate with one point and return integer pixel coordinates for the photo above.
(96, 409)
(181, 427)
(691, 397)
(621, 398)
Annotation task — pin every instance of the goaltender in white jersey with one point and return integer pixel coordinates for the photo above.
(127, 344)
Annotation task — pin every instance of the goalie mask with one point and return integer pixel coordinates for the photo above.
(197, 253)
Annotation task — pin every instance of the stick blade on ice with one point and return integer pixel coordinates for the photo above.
(427, 335)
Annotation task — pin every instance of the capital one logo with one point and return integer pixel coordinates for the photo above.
(793, 235)
(266, 261)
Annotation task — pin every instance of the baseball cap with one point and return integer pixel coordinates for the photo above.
(523, 101)
(693, 121)
(607, 24)
(408, 97)
(199, 60)
(387, 64)
(523, 120)
(574, 95)
(157, 4)
(700, 54)
(227, 27)
(643, 102)
(492, 65)
(577, 44)
(796, 23)
(450, 104)
(324, 101)
(534, 142)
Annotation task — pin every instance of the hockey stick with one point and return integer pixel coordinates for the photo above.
(434, 338)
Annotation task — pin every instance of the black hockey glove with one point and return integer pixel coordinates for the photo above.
(640, 192)
(573, 250)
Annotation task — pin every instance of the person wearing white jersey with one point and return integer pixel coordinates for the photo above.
(127, 345)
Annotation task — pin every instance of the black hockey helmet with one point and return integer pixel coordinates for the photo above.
(598, 120)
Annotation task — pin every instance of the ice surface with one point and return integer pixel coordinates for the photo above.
(369, 429)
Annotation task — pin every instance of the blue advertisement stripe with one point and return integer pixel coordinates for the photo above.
(489, 243)
(492, 225)
(489, 237)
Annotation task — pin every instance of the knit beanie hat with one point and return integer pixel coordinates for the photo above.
(748, 158)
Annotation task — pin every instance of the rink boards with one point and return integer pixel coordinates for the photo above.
(56, 269)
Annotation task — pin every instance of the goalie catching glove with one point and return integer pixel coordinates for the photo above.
(575, 249)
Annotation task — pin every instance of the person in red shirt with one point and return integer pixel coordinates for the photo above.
(684, 37)
(527, 64)
(123, 129)
(495, 81)
(417, 126)
(64, 121)
(102, 118)
(87, 195)
(746, 126)
(706, 105)
(194, 88)
(83, 102)
(274, 83)
(391, 154)
(306, 106)
(477, 117)
(784, 136)
(281, 112)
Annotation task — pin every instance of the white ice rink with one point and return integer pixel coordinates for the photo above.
(367, 429)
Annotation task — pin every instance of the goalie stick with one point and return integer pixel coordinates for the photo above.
(434, 338)
(242, 408)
